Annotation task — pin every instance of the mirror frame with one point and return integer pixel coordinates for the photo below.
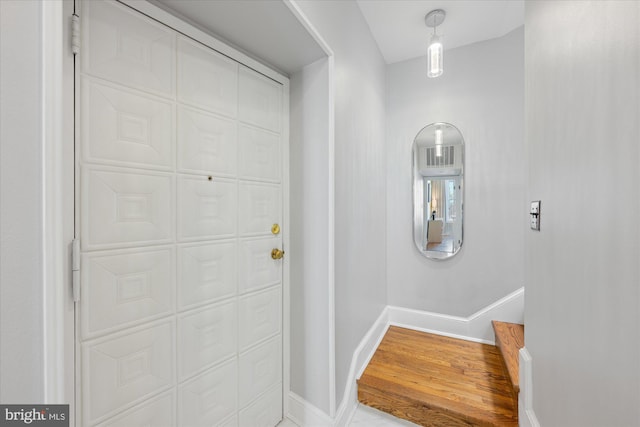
(419, 223)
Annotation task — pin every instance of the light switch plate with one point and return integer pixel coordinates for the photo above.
(535, 215)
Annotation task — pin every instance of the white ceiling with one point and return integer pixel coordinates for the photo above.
(399, 29)
(269, 32)
(264, 29)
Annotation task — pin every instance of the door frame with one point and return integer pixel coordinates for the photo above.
(59, 318)
(58, 164)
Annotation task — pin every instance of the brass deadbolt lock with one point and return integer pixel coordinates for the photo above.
(277, 254)
(275, 229)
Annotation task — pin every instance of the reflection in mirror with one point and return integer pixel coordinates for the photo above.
(438, 172)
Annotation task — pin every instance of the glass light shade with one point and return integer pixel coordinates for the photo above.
(439, 136)
(439, 139)
(435, 57)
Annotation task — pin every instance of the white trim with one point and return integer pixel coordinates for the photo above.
(52, 203)
(526, 415)
(286, 265)
(476, 327)
(361, 356)
(331, 247)
(507, 309)
(77, 68)
(297, 12)
(379, 329)
(528, 419)
(426, 321)
(305, 414)
(331, 347)
(189, 29)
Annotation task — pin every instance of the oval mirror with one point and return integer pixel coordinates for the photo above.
(438, 172)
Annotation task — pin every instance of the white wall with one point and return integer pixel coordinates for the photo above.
(21, 192)
(481, 92)
(582, 272)
(360, 181)
(311, 358)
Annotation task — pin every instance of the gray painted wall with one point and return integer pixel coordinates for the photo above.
(21, 191)
(360, 206)
(482, 93)
(309, 251)
(582, 96)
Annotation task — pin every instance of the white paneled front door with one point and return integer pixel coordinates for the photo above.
(180, 167)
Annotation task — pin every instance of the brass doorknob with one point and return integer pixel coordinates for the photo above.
(277, 254)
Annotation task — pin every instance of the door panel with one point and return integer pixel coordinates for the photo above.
(260, 316)
(126, 208)
(257, 270)
(121, 126)
(137, 52)
(126, 368)
(206, 209)
(260, 207)
(207, 79)
(209, 398)
(206, 273)
(205, 338)
(259, 154)
(180, 168)
(260, 101)
(127, 288)
(264, 411)
(207, 143)
(260, 368)
(158, 412)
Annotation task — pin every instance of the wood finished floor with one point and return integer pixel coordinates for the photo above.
(510, 339)
(437, 381)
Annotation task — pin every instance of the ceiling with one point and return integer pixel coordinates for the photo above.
(399, 29)
(266, 30)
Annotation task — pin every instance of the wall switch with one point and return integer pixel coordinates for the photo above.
(535, 215)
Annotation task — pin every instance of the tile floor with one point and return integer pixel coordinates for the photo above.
(366, 417)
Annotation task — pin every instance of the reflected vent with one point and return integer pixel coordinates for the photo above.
(432, 160)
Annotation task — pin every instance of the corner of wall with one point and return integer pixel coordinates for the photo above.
(306, 414)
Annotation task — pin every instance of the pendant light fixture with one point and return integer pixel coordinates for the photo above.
(435, 52)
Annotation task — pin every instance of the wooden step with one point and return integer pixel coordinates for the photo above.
(437, 381)
(510, 339)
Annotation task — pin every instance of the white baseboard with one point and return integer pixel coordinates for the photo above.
(476, 327)
(527, 418)
(526, 415)
(305, 414)
(359, 361)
